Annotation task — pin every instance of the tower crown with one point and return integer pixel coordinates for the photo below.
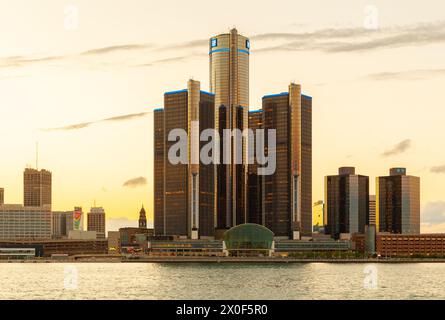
(142, 218)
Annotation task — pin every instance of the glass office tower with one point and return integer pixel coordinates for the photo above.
(346, 202)
(288, 192)
(229, 81)
(255, 213)
(159, 217)
(398, 203)
(184, 192)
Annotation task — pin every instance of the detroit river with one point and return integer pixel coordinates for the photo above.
(221, 281)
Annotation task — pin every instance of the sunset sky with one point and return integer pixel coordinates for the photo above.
(84, 88)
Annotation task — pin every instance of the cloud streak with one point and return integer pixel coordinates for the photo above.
(135, 182)
(328, 40)
(356, 39)
(83, 125)
(438, 169)
(21, 61)
(399, 148)
(407, 75)
(117, 48)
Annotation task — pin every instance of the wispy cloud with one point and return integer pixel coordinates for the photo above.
(135, 182)
(438, 169)
(407, 75)
(163, 61)
(21, 61)
(117, 48)
(356, 39)
(320, 34)
(399, 148)
(184, 45)
(82, 125)
(328, 40)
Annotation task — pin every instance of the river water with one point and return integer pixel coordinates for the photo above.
(221, 281)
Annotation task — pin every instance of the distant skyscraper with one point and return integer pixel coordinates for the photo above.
(66, 221)
(96, 221)
(371, 210)
(2, 196)
(398, 203)
(346, 202)
(142, 219)
(37, 187)
(255, 185)
(74, 222)
(229, 81)
(59, 223)
(288, 192)
(184, 193)
(318, 219)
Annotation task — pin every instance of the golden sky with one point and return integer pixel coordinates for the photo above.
(377, 94)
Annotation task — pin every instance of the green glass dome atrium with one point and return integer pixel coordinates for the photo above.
(248, 239)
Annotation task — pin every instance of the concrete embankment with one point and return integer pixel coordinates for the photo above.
(249, 260)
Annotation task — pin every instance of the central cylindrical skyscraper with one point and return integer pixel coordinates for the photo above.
(229, 69)
(229, 81)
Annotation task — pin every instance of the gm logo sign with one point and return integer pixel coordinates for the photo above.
(214, 43)
(248, 44)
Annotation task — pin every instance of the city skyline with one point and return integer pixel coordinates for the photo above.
(81, 158)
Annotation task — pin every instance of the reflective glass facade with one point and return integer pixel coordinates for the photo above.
(288, 192)
(255, 186)
(184, 193)
(207, 172)
(177, 221)
(398, 203)
(229, 81)
(305, 165)
(277, 187)
(159, 217)
(346, 203)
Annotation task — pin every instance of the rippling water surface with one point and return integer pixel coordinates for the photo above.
(219, 281)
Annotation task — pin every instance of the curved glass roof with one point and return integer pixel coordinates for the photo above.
(248, 236)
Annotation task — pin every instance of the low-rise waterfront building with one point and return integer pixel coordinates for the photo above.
(127, 235)
(412, 245)
(185, 248)
(47, 248)
(82, 235)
